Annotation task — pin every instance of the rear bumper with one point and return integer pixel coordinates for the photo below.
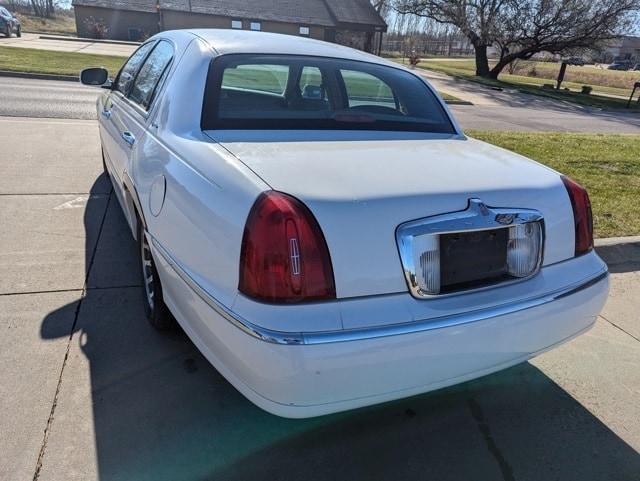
(330, 372)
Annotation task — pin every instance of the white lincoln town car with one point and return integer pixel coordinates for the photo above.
(317, 222)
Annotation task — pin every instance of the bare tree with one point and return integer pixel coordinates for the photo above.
(521, 28)
(561, 26)
(478, 20)
(43, 8)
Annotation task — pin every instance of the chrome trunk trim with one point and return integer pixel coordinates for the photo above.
(476, 217)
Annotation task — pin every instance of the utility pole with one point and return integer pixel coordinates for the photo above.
(160, 22)
(563, 69)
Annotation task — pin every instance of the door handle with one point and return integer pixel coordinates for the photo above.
(129, 138)
(106, 114)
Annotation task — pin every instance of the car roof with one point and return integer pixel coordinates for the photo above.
(227, 41)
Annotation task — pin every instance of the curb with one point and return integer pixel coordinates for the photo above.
(38, 76)
(611, 241)
(88, 40)
(458, 102)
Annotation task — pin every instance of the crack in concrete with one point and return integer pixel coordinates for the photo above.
(620, 328)
(54, 291)
(47, 430)
(478, 415)
(24, 194)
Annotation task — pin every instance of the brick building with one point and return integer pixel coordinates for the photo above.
(349, 22)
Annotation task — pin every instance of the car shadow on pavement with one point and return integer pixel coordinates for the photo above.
(622, 257)
(162, 412)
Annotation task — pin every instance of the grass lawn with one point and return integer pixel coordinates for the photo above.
(63, 24)
(608, 166)
(50, 62)
(532, 85)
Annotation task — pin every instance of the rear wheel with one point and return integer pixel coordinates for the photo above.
(8, 32)
(157, 311)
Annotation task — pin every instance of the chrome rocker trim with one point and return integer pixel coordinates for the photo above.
(311, 338)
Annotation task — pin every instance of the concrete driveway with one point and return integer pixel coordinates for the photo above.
(68, 44)
(88, 390)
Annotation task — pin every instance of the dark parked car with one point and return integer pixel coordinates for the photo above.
(620, 65)
(9, 24)
(579, 61)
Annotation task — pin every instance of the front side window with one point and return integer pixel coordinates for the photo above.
(128, 72)
(259, 78)
(297, 92)
(150, 74)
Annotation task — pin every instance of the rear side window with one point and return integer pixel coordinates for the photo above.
(246, 91)
(364, 89)
(148, 78)
(128, 72)
(312, 85)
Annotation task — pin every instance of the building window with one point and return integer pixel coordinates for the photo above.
(304, 31)
(236, 23)
(255, 26)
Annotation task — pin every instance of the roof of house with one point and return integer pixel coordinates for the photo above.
(329, 13)
(355, 11)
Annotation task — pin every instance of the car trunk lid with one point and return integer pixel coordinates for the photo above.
(362, 186)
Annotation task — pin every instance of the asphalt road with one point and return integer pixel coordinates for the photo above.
(499, 111)
(46, 99)
(89, 391)
(513, 110)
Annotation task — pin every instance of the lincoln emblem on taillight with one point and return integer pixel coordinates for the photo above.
(294, 254)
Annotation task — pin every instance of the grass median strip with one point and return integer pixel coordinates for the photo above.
(31, 60)
(533, 85)
(607, 165)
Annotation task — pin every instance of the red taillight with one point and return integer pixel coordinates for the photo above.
(284, 256)
(582, 217)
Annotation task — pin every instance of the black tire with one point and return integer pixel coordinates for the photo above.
(19, 32)
(8, 33)
(156, 310)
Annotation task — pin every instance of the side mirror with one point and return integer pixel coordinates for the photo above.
(96, 76)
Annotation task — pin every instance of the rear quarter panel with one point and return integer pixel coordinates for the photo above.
(208, 191)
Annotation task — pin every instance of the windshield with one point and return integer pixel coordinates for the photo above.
(296, 92)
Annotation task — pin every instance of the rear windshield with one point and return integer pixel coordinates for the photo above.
(297, 92)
